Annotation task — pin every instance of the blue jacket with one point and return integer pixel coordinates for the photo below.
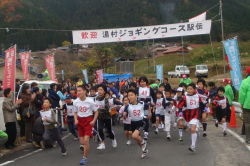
(55, 97)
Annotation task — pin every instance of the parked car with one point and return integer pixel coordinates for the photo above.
(201, 71)
(179, 71)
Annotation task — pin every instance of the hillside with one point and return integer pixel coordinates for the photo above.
(96, 14)
(201, 55)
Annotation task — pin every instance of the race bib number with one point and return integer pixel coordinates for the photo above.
(136, 112)
(83, 109)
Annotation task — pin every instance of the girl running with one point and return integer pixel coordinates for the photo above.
(159, 110)
(192, 102)
(168, 113)
(127, 121)
(146, 95)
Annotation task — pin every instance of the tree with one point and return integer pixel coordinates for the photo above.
(66, 43)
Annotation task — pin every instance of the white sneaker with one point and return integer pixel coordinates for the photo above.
(75, 139)
(159, 127)
(101, 146)
(168, 137)
(128, 142)
(114, 143)
(146, 136)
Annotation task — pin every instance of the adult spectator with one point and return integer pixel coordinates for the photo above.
(38, 100)
(37, 131)
(111, 87)
(54, 96)
(185, 79)
(9, 114)
(228, 91)
(59, 91)
(17, 86)
(79, 82)
(244, 100)
(125, 87)
(3, 139)
(33, 85)
(167, 86)
(28, 102)
(117, 84)
(155, 84)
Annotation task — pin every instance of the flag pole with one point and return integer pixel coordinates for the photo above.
(222, 35)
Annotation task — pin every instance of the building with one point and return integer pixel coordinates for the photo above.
(124, 65)
(176, 50)
(192, 46)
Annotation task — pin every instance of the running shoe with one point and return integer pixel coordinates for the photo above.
(42, 145)
(82, 148)
(35, 145)
(83, 161)
(224, 133)
(128, 142)
(146, 136)
(159, 127)
(204, 134)
(76, 139)
(144, 146)
(114, 143)
(144, 154)
(180, 139)
(64, 154)
(168, 137)
(101, 146)
(156, 132)
(191, 148)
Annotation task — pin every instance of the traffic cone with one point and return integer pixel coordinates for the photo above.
(233, 119)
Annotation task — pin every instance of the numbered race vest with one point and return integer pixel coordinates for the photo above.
(46, 114)
(100, 104)
(144, 92)
(203, 98)
(70, 110)
(168, 108)
(222, 103)
(159, 109)
(136, 112)
(192, 102)
(111, 103)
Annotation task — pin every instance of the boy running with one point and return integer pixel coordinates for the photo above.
(83, 112)
(136, 112)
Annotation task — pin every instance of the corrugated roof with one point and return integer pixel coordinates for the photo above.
(174, 49)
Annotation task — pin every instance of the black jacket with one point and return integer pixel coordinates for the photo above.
(55, 97)
(38, 127)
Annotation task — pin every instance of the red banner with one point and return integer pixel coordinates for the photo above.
(50, 64)
(99, 76)
(25, 59)
(10, 69)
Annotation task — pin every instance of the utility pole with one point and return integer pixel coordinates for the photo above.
(222, 35)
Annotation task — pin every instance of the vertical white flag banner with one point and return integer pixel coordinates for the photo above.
(201, 17)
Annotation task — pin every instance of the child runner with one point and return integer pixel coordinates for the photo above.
(159, 109)
(83, 112)
(221, 105)
(104, 117)
(162, 89)
(136, 111)
(203, 112)
(49, 120)
(70, 115)
(92, 93)
(168, 113)
(147, 95)
(180, 119)
(192, 102)
(127, 121)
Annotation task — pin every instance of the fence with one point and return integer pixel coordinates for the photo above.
(125, 67)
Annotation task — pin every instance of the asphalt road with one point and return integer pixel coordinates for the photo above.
(212, 150)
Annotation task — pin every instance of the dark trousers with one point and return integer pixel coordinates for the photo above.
(12, 132)
(72, 127)
(246, 119)
(28, 130)
(48, 140)
(113, 117)
(153, 119)
(22, 128)
(108, 125)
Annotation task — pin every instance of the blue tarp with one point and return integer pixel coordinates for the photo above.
(113, 77)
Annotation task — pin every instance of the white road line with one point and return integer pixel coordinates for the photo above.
(238, 137)
(39, 150)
